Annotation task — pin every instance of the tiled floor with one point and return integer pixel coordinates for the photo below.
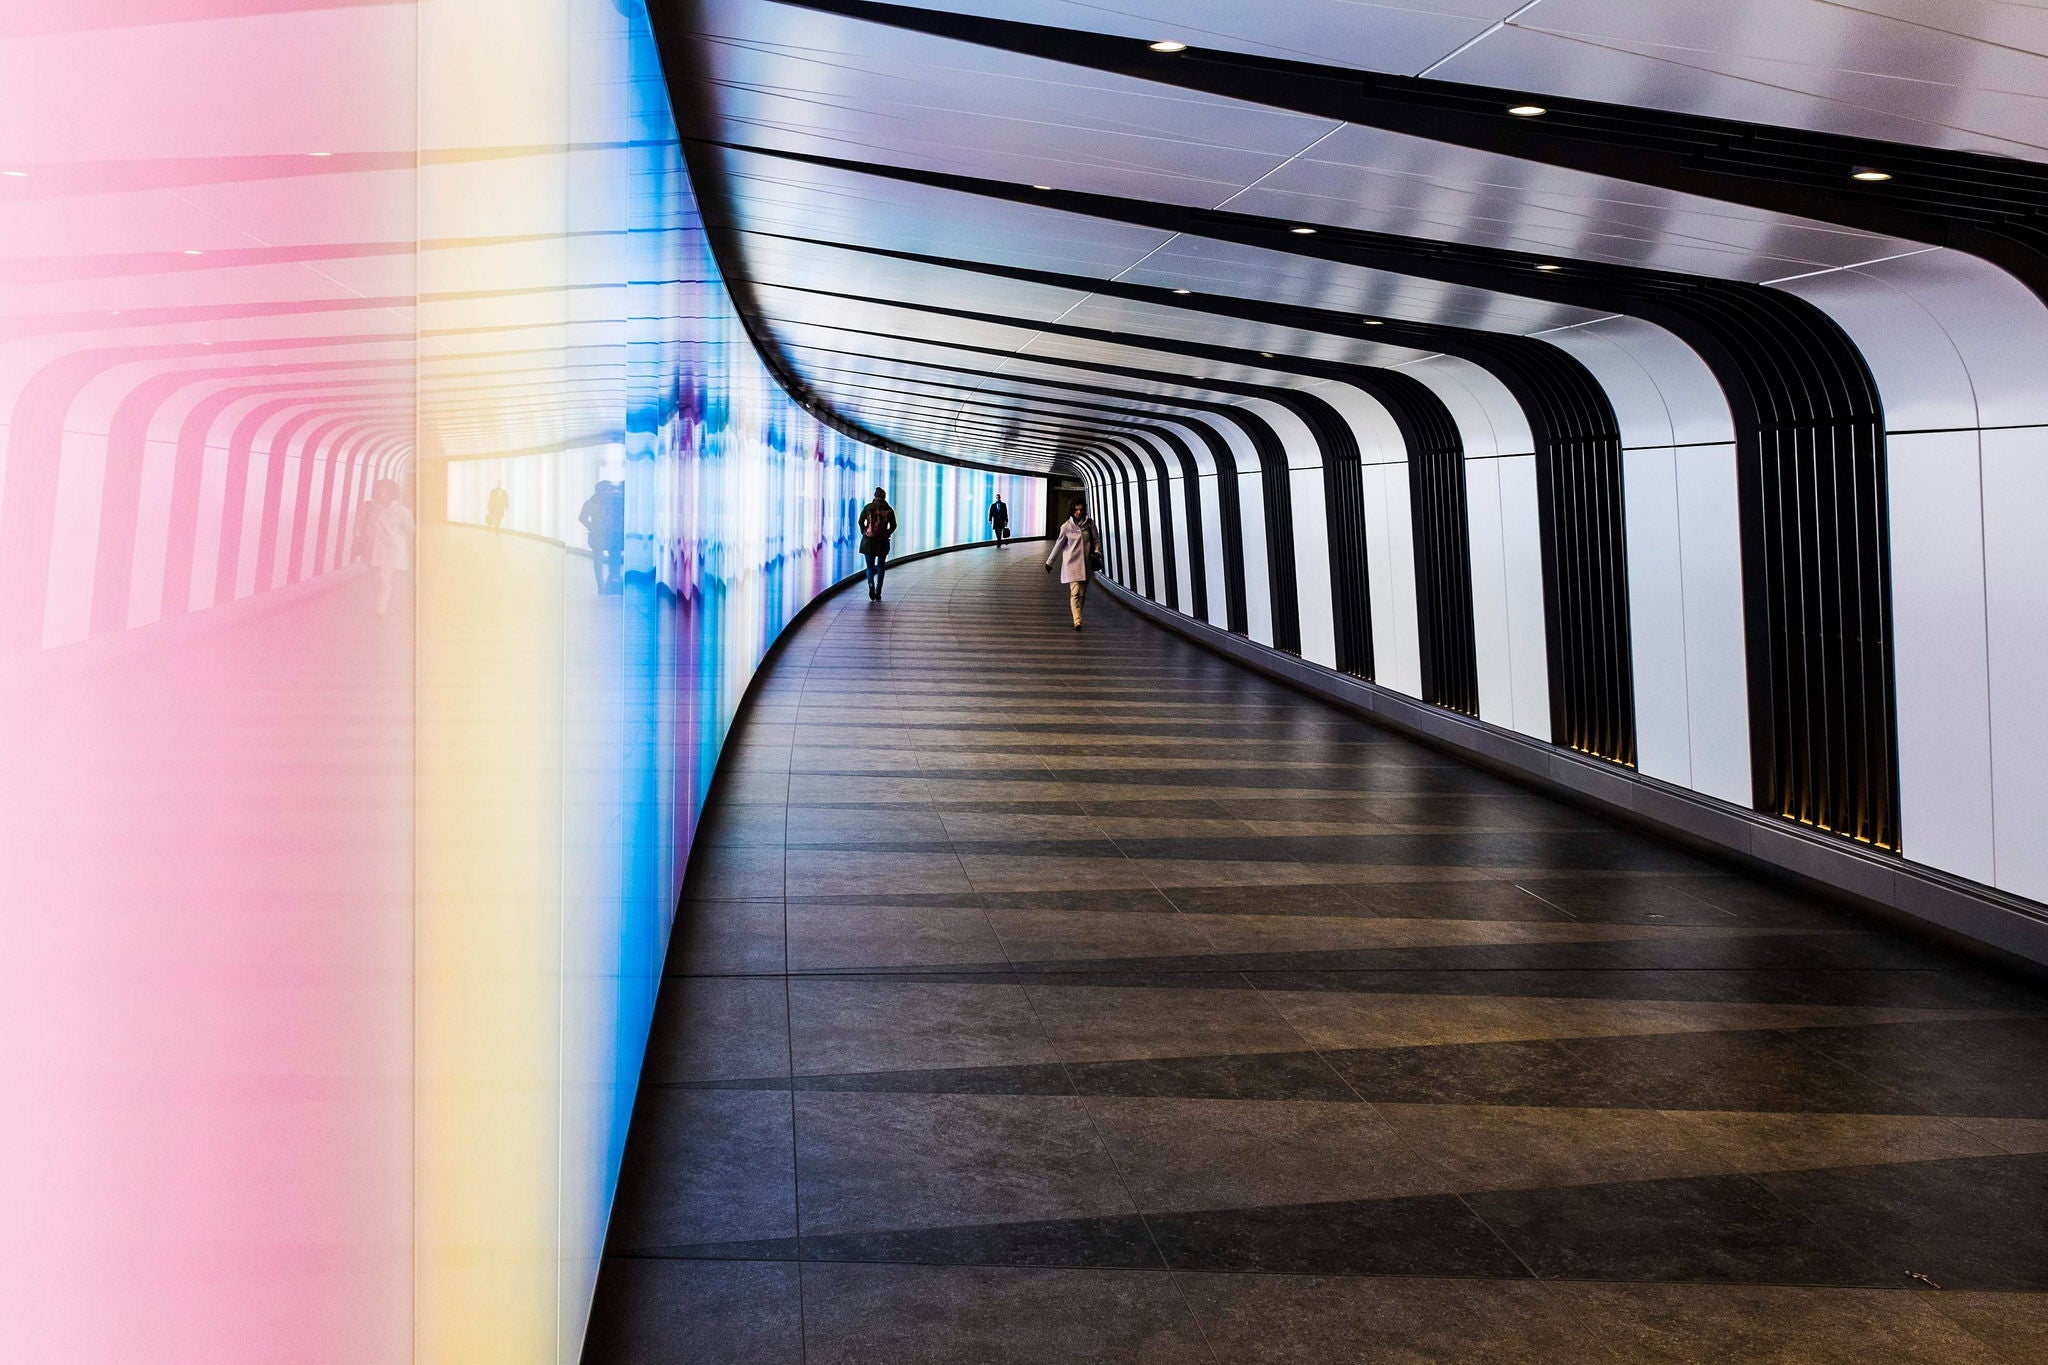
(1045, 996)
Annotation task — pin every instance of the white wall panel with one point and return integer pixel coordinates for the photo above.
(1212, 551)
(1663, 393)
(1258, 598)
(1921, 376)
(1716, 647)
(2015, 466)
(1173, 494)
(1656, 615)
(1953, 340)
(1311, 530)
(1152, 491)
(1490, 421)
(1184, 579)
(1312, 568)
(1521, 537)
(1390, 550)
(1490, 636)
(1938, 646)
(1379, 438)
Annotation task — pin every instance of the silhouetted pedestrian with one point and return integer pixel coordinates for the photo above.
(494, 517)
(390, 526)
(604, 519)
(999, 519)
(359, 535)
(877, 524)
(1079, 555)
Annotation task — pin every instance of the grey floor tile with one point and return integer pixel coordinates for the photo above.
(883, 1162)
(679, 1312)
(843, 1025)
(923, 1315)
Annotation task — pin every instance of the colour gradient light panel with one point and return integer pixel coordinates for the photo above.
(332, 936)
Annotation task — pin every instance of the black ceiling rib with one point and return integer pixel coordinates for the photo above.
(1798, 390)
(1121, 421)
(1577, 440)
(689, 90)
(1988, 206)
(1425, 423)
(1038, 429)
(1265, 441)
(1136, 499)
(1428, 431)
(1801, 397)
(1561, 398)
(1197, 566)
(979, 398)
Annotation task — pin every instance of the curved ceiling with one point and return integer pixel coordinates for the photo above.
(935, 213)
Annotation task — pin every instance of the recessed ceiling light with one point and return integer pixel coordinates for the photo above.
(1041, 187)
(1869, 173)
(319, 153)
(1168, 45)
(1183, 291)
(1266, 354)
(1374, 322)
(1550, 267)
(1526, 110)
(18, 175)
(191, 252)
(1303, 231)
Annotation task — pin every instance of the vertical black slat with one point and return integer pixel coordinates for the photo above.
(1882, 738)
(1091, 495)
(1138, 491)
(1759, 616)
(1344, 523)
(1834, 516)
(1169, 567)
(1127, 522)
(1561, 639)
(1197, 567)
(1230, 514)
(1443, 578)
(1585, 590)
(1103, 510)
(1281, 574)
(1425, 531)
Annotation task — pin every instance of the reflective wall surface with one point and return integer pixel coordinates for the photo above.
(340, 825)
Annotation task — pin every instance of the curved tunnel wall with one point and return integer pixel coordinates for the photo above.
(333, 937)
(1943, 337)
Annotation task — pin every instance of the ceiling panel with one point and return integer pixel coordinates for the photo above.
(797, 80)
(1945, 73)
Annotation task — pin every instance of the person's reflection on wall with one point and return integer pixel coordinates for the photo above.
(604, 518)
(390, 526)
(359, 537)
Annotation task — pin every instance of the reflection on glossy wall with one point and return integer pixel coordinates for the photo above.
(330, 937)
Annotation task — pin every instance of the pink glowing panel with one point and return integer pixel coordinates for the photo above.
(341, 819)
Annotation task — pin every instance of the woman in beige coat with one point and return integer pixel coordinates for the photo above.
(1076, 551)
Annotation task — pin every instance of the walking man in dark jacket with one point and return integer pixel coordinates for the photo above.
(999, 519)
(604, 517)
(877, 524)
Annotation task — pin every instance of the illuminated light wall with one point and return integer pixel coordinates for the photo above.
(331, 938)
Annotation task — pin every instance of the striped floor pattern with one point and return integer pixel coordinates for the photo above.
(1046, 996)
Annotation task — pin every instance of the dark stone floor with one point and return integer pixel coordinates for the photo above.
(1056, 996)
